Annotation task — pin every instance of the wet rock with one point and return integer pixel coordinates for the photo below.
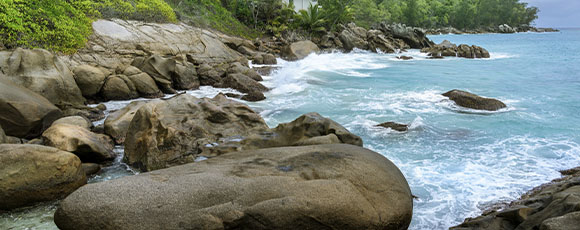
(165, 133)
(24, 113)
(269, 59)
(265, 70)
(472, 51)
(448, 49)
(43, 73)
(91, 168)
(237, 68)
(119, 87)
(89, 79)
(243, 84)
(313, 187)
(299, 50)
(472, 101)
(34, 173)
(88, 146)
(254, 96)
(404, 57)
(117, 123)
(144, 84)
(75, 120)
(394, 126)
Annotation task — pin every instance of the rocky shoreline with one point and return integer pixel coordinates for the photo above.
(551, 206)
(223, 166)
(501, 29)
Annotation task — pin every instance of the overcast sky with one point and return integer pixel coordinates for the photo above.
(557, 13)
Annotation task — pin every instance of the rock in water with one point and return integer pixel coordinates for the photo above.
(299, 50)
(394, 126)
(24, 113)
(117, 123)
(314, 187)
(42, 72)
(472, 101)
(171, 132)
(34, 173)
(90, 147)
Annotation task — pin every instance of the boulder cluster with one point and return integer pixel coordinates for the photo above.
(504, 29)
(448, 49)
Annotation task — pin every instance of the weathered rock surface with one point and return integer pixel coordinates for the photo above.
(448, 49)
(117, 123)
(243, 84)
(89, 79)
(165, 133)
(88, 146)
(170, 132)
(386, 38)
(553, 206)
(314, 187)
(24, 113)
(144, 84)
(472, 101)
(414, 37)
(74, 120)
(299, 50)
(119, 87)
(2, 135)
(34, 173)
(394, 126)
(116, 43)
(42, 72)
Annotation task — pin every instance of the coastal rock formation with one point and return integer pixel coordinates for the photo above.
(74, 120)
(299, 50)
(89, 79)
(165, 133)
(506, 29)
(313, 187)
(90, 168)
(414, 37)
(88, 146)
(2, 136)
(394, 126)
(119, 87)
(243, 84)
(41, 72)
(117, 123)
(352, 37)
(472, 101)
(553, 206)
(144, 84)
(34, 173)
(448, 49)
(24, 113)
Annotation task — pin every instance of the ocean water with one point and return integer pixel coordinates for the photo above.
(457, 161)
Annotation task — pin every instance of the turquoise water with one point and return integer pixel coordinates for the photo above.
(456, 161)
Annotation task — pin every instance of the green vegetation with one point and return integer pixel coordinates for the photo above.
(461, 14)
(64, 25)
(211, 14)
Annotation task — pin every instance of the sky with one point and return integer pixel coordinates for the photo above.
(557, 13)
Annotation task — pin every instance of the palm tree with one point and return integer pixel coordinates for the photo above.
(312, 19)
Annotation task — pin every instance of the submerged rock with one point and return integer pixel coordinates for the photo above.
(394, 126)
(313, 187)
(472, 101)
(299, 50)
(90, 147)
(24, 113)
(35, 173)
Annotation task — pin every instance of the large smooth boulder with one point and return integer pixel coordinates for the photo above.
(89, 79)
(160, 69)
(90, 147)
(472, 101)
(42, 72)
(24, 113)
(117, 123)
(243, 83)
(34, 173)
(74, 120)
(314, 187)
(299, 50)
(119, 87)
(144, 84)
(165, 133)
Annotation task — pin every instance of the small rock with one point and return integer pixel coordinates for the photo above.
(472, 101)
(394, 126)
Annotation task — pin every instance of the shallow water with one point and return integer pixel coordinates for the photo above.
(457, 161)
